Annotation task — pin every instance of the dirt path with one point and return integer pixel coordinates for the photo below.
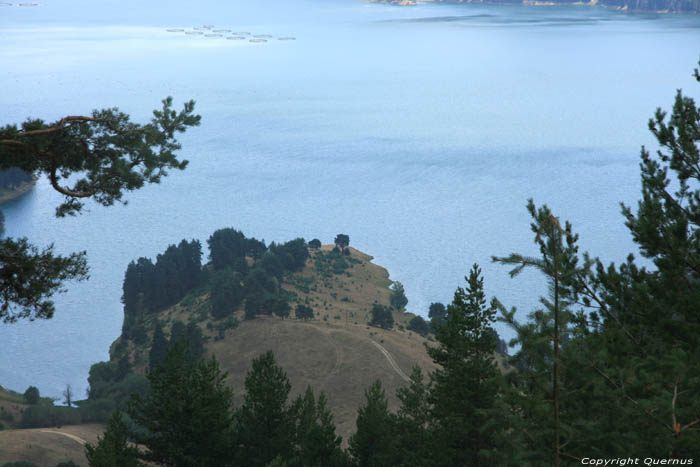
(392, 362)
(73, 437)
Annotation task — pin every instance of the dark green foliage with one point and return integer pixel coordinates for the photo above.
(31, 395)
(272, 264)
(342, 241)
(19, 464)
(152, 287)
(38, 416)
(159, 348)
(225, 246)
(29, 276)
(292, 254)
(304, 312)
(372, 443)
(113, 448)
(315, 442)
(437, 314)
(255, 248)
(264, 423)
(187, 415)
(381, 316)
(278, 306)
(226, 293)
(418, 324)
(465, 386)
(315, 244)
(191, 336)
(398, 298)
(67, 464)
(412, 432)
(101, 156)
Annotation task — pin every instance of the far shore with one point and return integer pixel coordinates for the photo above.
(9, 195)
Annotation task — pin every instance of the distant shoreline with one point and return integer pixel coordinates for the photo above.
(595, 3)
(9, 195)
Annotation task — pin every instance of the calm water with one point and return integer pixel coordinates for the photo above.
(419, 131)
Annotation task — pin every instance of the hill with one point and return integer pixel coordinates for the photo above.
(337, 352)
(41, 446)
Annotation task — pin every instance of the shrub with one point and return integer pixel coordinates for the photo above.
(315, 243)
(398, 296)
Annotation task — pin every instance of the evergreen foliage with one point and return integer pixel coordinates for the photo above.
(418, 324)
(102, 156)
(304, 312)
(186, 417)
(264, 423)
(159, 349)
(113, 448)
(31, 395)
(398, 298)
(372, 443)
(465, 385)
(381, 316)
(226, 293)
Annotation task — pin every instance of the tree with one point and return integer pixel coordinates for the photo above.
(316, 443)
(68, 396)
(225, 246)
(315, 244)
(372, 443)
(342, 241)
(31, 395)
(558, 262)
(419, 325)
(464, 385)
(398, 296)
(226, 293)
(101, 156)
(186, 417)
(381, 316)
(264, 424)
(413, 423)
(113, 448)
(159, 348)
(304, 312)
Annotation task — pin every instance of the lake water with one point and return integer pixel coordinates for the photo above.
(419, 131)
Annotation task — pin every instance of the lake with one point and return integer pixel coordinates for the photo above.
(418, 131)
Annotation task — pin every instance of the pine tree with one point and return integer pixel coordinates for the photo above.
(263, 423)
(316, 443)
(159, 349)
(465, 386)
(186, 418)
(113, 448)
(372, 443)
(413, 433)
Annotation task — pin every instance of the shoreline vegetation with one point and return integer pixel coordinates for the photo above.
(14, 193)
(622, 7)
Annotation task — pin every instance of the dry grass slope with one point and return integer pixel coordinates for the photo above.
(335, 353)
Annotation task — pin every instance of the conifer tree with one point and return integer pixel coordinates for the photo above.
(159, 348)
(186, 417)
(558, 262)
(413, 435)
(316, 443)
(263, 428)
(113, 448)
(465, 386)
(372, 443)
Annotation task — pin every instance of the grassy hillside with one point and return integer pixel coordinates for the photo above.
(337, 352)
